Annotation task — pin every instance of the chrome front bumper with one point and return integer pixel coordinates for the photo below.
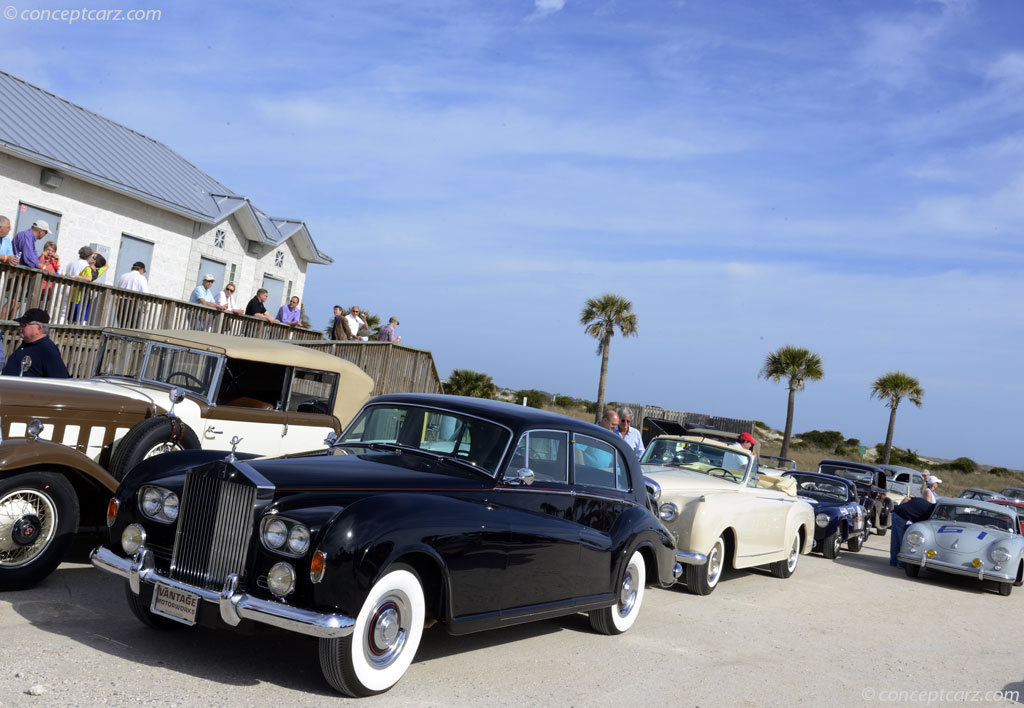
(691, 558)
(234, 606)
(980, 573)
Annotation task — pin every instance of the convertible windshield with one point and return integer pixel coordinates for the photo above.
(967, 514)
(817, 485)
(475, 441)
(159, 363)
(715, 460)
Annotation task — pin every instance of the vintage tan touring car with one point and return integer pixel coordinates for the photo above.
(151, 392)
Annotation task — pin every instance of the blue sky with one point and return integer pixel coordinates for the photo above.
(846, 177)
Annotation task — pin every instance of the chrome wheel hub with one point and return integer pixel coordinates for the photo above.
(28, 522)
(794, 553)
(386, 633)
(714, 564)
(161, 449)
(627, 593)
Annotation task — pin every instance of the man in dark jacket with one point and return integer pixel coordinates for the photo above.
(37, 355)
(909, 511)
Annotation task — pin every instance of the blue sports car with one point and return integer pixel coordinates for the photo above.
(838, 516)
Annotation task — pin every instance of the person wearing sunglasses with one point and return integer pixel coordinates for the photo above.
(226, 300)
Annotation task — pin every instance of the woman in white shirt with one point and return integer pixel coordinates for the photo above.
(226, 298)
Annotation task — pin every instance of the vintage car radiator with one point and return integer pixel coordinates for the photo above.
(215, 522)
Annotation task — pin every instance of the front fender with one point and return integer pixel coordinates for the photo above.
(20, 454)
(637, 528)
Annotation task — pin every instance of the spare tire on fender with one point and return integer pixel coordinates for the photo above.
(151, 437)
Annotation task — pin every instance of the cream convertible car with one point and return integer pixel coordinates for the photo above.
(720, 512)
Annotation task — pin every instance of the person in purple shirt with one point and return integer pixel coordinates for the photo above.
(290, 314)
(25, 243)
(387, 332)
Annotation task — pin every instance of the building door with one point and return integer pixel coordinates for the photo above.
(214, 268)
(275, 297)
(133, 249)
(28, 215)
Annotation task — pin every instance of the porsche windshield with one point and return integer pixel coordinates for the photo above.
(472, 440)
(715, 460)
(968, 514)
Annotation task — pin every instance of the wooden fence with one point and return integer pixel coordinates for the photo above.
(731, 425)
(80, 302)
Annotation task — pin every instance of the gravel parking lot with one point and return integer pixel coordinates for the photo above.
(849, 632)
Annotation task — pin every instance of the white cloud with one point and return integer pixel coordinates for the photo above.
(543, 8)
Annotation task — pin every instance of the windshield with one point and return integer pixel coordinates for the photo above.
(861, 476)
(158, 363)
(821, 487)
(967, 514)
(710, 459)
(1013, 493)
(475, 441)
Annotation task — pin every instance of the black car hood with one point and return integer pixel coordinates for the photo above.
(369, 471)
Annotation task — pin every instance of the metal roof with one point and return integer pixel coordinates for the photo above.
(48, 130)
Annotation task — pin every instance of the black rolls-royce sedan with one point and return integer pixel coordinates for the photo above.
(472, 513)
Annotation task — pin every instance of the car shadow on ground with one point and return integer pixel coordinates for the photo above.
(880, 566)
(87, 607)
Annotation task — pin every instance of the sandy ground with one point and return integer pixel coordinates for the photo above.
(844, 633)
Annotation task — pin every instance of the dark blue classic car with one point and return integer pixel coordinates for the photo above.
(472, 513)
(838, 516)
(871, 490)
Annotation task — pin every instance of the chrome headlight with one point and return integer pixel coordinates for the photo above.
(132, 539)
(668, 512)
(284, 535)
(1000, 554)
(914, 539)
(158, 504)
(821, 520)
(281, 579)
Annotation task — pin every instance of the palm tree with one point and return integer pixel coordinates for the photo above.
(799, 366)
(892, 388)
(465, 382)
(600, 317)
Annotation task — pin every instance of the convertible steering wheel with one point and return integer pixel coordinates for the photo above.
(724, 473)
(188, 377)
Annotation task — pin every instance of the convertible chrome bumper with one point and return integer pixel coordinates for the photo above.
(933, 564)
(234, 606)
(691, 558)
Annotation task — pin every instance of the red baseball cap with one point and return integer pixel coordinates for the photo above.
(747, 437)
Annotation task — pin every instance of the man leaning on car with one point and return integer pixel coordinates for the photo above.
(37, 349)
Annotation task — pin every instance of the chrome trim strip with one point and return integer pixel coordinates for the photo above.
(556, 492)
(234, 606)
(691, 558)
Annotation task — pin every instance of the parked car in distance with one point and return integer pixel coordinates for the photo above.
(903, 481)
(473, 513)
(870, 481)
(967, 537)
(838, 516)
(980, 494)
(721, 514)
(1013, 493)
(57, 474)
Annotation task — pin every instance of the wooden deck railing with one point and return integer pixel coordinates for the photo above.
(75, 301)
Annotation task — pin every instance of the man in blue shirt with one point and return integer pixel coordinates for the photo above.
(290, 314)
(6, 243)
(25, 243)
(37, 352)
(202, 295)
(630, 436)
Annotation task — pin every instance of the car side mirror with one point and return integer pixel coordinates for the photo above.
(331, 438)
(522, 477)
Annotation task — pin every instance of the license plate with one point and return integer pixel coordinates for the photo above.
(178, 605)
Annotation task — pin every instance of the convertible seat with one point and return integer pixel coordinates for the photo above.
(786, 485)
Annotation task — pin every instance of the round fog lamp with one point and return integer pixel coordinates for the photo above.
(931, 553)
(281, 579)
(132, 538)
(668, 512)
(821, 520)
(976, 562)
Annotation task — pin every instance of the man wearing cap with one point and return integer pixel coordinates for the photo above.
(746, 441)
(37, 350)
(135, 279)
(387, 332)
(202, 295)
(931, 483)
(25, 243)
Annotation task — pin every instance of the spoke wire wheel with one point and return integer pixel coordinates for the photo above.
(28, 524)
(716, 560)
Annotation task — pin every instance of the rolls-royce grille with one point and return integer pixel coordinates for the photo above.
(214, 526)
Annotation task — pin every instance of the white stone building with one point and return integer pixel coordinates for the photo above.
(133, 199)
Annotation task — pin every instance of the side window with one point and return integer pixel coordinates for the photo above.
(597, 463)
(312, 391)
(546, 453)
